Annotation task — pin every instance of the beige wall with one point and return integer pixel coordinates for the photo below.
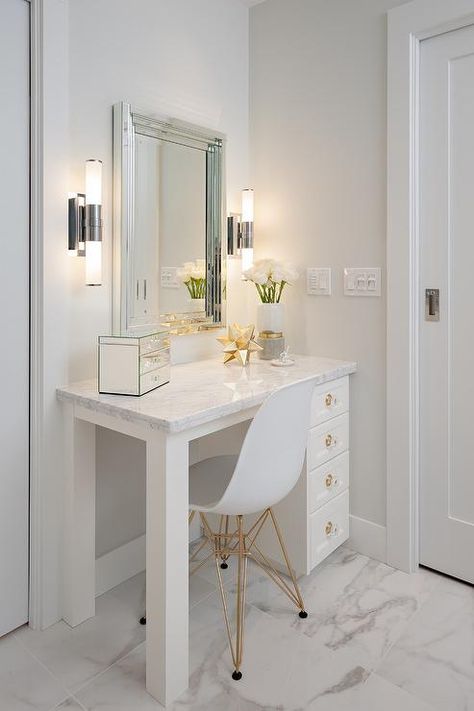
(318, 147)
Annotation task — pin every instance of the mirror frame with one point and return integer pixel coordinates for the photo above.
(126, 124)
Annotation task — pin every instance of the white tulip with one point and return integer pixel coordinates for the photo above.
(260, 277)
(270, 278)
(183, 275)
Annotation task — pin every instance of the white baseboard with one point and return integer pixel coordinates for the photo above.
(120, 564)
(368, 538)
(123, 563)
(128, 560)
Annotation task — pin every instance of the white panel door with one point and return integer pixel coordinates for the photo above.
(14, 300)
(447, 264)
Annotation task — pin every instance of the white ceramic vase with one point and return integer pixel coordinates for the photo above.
(270, 318)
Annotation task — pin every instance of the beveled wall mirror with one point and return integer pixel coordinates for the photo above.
(168, 224)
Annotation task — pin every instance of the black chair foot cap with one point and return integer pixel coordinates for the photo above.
(143, 620)
(224, 566)
(303, 614)
(236, 675)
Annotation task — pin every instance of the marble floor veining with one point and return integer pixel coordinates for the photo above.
(376, 639)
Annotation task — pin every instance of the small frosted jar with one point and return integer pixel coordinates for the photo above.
(272, 343)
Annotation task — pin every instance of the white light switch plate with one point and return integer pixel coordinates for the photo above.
(318, 281)
(362, 281)
(169, 277)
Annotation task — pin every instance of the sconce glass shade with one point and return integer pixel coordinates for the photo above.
(93, 263)
(93, 182)
(93, 223)
(246, 255)
(247, 205)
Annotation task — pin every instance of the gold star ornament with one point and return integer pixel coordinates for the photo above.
(239, 343)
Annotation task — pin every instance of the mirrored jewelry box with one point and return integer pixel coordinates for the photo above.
(133, 365)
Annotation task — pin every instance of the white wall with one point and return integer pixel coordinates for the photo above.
(187, 59)
(56, 293)
(318, 146)
(168, 58)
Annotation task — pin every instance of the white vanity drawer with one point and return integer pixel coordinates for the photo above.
(327, 441)
(329, 527)
(329, 400)
(328, 481)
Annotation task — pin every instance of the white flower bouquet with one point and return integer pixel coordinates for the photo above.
(270, 278)
(193, 276)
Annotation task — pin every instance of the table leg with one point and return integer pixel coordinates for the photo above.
(167, 603)
(79, 521)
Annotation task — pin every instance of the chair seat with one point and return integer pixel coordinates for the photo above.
(208, 481)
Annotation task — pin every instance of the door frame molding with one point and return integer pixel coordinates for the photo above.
(408, 25)
(36, 596)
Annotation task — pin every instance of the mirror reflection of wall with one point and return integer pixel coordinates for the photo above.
(169, 225)
(144, 252)
(183, 218)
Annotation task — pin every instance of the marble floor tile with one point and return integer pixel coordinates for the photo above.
(75, 655)
(434, 658)
(120, 688)
(376, 694)
(71, 704)
(133, 592)
(25, 685)
(376, 640)
(200, 589)
(208, 570)
(454, 587)
(357, 606)
(282, 669)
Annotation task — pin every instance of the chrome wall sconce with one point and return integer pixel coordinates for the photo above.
(240, 231)
(85, 223)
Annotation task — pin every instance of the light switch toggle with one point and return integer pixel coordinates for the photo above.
(362, 281)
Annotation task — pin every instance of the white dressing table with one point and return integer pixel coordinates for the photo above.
(202, 397)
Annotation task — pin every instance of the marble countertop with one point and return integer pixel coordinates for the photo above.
(205, 390)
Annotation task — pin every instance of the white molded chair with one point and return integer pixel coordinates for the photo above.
(265, 471)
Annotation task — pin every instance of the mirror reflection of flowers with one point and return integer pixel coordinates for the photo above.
(270, 278)
(193, 276)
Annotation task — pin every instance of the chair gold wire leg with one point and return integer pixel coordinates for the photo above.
(225, 556)
(241, 588)
(303, 614)
(236, 645)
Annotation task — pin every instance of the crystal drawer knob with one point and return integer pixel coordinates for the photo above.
(329, 400)
(330, 441)
(329, 529)
(330, 481)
